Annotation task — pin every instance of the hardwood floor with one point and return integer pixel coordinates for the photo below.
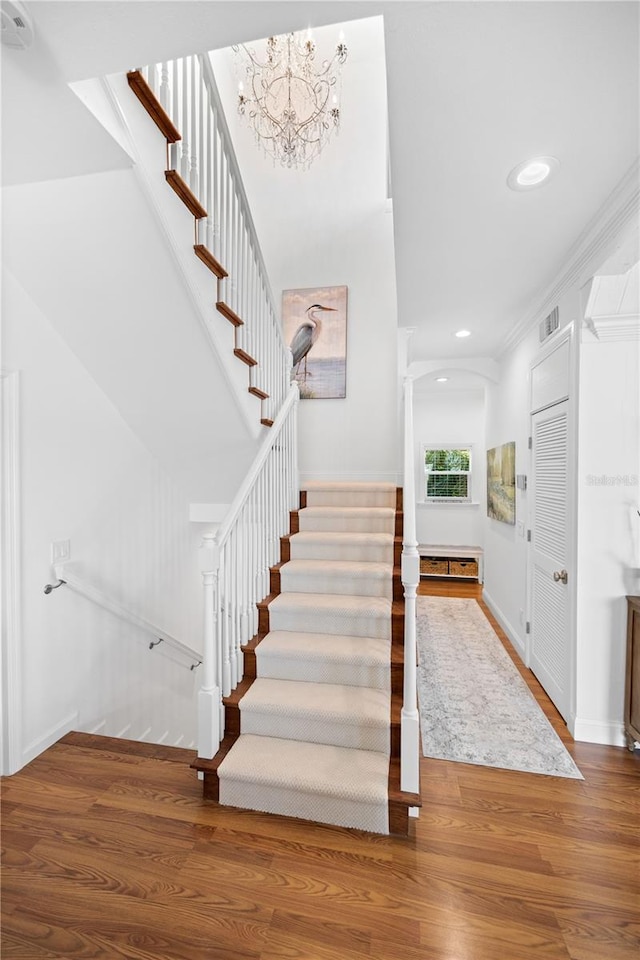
(110, 852)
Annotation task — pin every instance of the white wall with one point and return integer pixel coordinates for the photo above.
(355, 438)
(608, 530)
(331, 225)
(85, 477)
(505, 546)
(451, 417)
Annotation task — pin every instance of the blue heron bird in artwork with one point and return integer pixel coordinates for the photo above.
(306, 335)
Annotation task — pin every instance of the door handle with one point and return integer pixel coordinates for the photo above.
(560, 576)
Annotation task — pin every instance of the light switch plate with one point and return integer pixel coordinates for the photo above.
(60, 551)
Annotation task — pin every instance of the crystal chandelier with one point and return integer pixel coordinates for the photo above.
(291, 103)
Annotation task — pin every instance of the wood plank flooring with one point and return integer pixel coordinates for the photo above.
(112, 853)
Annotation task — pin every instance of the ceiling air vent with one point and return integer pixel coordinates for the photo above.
(17, 29)
(550, 324)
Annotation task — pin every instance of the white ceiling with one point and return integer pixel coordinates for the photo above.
(474, 88)
(300, 213)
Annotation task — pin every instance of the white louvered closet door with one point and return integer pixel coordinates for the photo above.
(550, 634)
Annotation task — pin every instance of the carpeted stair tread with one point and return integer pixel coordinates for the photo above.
(325, 658)
(364, 494)
(330, 545)
(331, 613)
(348, 519)
(318, 782)
(337, 576)
(316, 768)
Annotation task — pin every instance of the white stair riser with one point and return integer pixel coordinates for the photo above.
(332, 621)
(336, 498)
(318, 550)
(306, 806)
(324, 671)
(361, 585)
(315, 730)
(347, 524)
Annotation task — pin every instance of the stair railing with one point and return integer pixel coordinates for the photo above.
(410, 724)
(205, 160)
(235, 564)
(66, 576)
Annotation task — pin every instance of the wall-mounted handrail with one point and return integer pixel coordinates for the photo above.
(91, 592)
(235, 567)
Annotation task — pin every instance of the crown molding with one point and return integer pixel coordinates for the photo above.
(616, 327)
(589, 250)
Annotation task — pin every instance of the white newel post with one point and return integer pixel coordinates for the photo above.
(410, 726)
(209, 699)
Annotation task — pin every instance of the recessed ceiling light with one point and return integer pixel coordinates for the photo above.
(463, 333)
(441, 379)
(532, 173)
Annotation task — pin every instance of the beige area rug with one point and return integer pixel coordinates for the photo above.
(474, 705)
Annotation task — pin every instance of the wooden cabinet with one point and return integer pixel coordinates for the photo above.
(632, 678)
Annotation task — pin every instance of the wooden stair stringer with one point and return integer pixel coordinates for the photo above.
(163, 122)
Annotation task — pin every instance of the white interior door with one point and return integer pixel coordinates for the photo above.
(550, 595)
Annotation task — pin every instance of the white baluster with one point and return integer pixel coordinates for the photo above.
(215, 226)
(185, 118)
(204, 226)
(233, 272)
(410, 745)
(209, 178)
(225, 226)
(194, 88)
(209, 733)
(164, 92)
(174, 148)
(224, 612)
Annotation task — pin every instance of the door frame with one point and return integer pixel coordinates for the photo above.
(566, 336)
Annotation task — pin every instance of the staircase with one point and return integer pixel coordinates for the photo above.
(181, 99)
(313, 729)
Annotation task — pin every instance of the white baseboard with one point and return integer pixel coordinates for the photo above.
(515, 640)
(608, 732)
(43, 743)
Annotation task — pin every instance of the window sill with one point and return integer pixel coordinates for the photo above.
(447, 503)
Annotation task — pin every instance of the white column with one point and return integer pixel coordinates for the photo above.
(209, 699)
(410, 725)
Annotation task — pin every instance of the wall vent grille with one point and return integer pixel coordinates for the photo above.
(550, 324)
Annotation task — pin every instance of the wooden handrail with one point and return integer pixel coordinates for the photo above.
(239, 500)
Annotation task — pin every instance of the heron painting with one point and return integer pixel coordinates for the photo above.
(315, 330)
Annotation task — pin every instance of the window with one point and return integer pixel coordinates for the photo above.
(447, 474)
